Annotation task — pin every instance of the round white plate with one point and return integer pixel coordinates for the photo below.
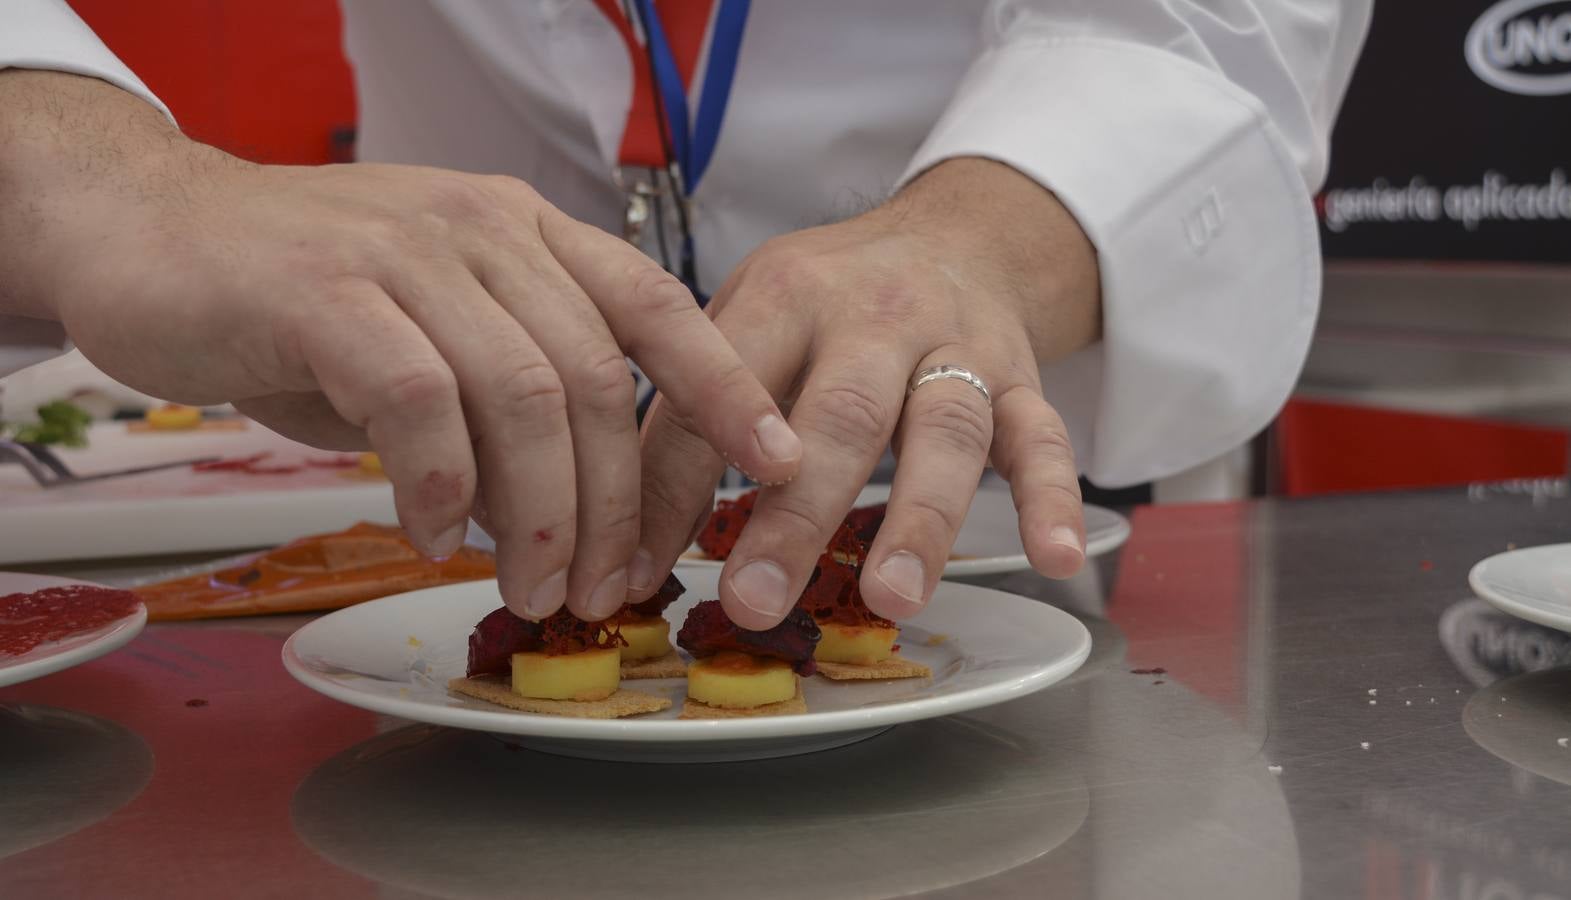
(989, 540)
(1533, 583)
(49, 658)
(396, 655)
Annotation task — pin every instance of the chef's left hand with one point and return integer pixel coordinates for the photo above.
(971, 265)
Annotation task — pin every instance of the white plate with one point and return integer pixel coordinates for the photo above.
(49, 658)
(1533, 583)
(989, 540)
(396, 655)
(180, 510)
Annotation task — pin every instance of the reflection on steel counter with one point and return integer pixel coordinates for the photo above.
(61, 771)
(1310, 738)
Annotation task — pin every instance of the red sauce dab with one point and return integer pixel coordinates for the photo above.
(52, 614)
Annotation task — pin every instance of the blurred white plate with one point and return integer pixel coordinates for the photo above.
(74, 650)
(1533, 583)
(396, 655)
(989, 540)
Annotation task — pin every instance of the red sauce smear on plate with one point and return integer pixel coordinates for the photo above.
(257, 464)
(28, 620)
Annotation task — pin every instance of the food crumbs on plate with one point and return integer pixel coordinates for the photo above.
(936, 640)
(1158, 682)
(414, 642)
(1426, 565)
(1274, 770)
(196, 703)
(1564, 742)
(1373, 691)
(1373, 702)
(1363, 745)
(1156, 671)
(1408, 702)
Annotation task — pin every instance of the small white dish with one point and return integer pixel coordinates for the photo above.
(74, 650)
(1532, 583)
(989, 540)
(396, 655)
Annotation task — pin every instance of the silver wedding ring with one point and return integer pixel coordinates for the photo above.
(938, 373)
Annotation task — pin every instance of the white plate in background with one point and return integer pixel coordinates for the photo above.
(989, 540)
(1532, 583)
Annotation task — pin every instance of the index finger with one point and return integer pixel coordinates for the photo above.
(847, 411)
(657, 323)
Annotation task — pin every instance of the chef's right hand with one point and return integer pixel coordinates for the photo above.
(459, 325)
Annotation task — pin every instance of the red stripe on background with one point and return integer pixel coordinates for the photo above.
(686, 23)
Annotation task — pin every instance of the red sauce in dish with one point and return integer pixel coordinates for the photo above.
(52, 614)
(258, 464)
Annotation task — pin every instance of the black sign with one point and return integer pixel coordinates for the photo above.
(1455, 138)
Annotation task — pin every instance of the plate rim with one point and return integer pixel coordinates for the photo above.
(121, 632)
(1475, 580)
(699, 731)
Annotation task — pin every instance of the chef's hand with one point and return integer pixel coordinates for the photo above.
(971, 265)
(461, 326)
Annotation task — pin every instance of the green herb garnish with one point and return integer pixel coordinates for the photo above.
(60, 422)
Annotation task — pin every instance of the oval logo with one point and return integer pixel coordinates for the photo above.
(1523, 46)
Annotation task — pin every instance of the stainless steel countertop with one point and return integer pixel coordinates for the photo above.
(1292, 634)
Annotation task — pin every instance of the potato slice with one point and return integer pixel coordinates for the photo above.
(737, 681)
(860, 645)
(646, 639)
(590, 675)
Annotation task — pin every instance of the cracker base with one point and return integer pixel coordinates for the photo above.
(668, 666)
(624, 702)
(692, 709)
(895, 666)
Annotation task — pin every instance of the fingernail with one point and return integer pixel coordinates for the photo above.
(762, 587)
(448, 542)
(904, 574)
(608, 597)
(641, 571)
(1068, 537)
(547, 596)
(777, 440)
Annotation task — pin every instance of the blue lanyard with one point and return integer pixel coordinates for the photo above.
(693, 141)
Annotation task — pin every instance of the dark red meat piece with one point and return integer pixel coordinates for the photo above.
(708, 631)
(864, 521)
(834, 592)
(501, 634)
(655, 606)
(725, 525)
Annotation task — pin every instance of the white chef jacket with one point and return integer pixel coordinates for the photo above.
(1185, 136)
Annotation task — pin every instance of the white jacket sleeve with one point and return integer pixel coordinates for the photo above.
(1186, 137)
(46, 34)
